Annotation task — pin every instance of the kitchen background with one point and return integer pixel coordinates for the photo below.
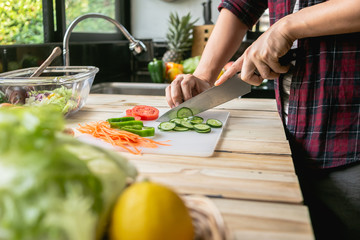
(31, 29)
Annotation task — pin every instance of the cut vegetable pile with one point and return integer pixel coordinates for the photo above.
(186, 121)
(120, 138)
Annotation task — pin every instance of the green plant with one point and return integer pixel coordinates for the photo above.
(21, 22)
(75, 8)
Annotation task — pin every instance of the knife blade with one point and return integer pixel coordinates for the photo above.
(212, 97)
(232, 88)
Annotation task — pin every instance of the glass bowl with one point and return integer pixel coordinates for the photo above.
(67, 87)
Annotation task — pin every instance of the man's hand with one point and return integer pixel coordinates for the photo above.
(261, 60)
(184, 87)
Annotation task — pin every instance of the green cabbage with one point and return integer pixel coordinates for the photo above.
(53, 186)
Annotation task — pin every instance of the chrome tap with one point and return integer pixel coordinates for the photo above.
(136, 46)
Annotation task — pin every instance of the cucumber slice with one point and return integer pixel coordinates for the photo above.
(176, 121)
(201, 127)
(167, 126)
(184, 112)
(215, 123)
(205, 131)
(196, 119)
(180, 129)
(186, 124)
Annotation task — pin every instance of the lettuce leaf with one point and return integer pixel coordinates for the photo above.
(61, 97)
(190, 64)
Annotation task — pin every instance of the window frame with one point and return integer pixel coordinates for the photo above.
(54, 21)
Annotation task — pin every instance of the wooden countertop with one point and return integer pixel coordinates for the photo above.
(250, 177)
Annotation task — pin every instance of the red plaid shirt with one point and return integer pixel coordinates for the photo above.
(324, 104)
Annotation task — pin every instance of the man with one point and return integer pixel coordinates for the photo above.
(318, 95)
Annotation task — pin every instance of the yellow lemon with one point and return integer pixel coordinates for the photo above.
(150, 211)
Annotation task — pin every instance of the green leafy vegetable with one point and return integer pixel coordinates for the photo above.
(61, 97)
(191, 64)
(2, 97)
(53, 186)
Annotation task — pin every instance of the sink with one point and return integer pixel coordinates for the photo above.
(128, 88)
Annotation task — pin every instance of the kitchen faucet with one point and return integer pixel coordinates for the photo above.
(136, 46)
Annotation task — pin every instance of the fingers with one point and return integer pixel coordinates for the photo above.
(249, 73)
(168, 97)
(277, 67)
(253, 74)
(234, 69)
(260, 65)
(182, 88)
(187, 86)
(174, 94)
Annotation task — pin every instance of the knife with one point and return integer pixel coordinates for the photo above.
(207, 12)
(214, 96)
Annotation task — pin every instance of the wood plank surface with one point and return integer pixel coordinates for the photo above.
(250, 177)
(248, 220)
(222, 176)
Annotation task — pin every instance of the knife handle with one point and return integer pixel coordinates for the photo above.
(291, 55)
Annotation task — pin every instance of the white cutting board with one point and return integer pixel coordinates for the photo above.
(188, 143)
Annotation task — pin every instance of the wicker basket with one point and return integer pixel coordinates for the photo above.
(207, 220)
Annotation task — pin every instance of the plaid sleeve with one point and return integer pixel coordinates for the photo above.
(248, 11)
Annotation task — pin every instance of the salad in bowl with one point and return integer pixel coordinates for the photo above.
(65, 87)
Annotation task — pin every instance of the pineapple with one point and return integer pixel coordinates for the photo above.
(179, 37)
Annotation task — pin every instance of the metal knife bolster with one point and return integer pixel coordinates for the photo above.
(232, 88)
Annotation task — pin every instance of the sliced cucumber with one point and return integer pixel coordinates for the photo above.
(202, 128)
(184, 112)
(186, 121)
(167, 126)
(180, 129)
(176, 121)
(196, 119)
(186, 124)
(215, 123)
(205, 131)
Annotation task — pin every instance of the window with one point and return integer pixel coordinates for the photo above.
(39, 21)
(62, 13)
(21, 22)
(75, 8)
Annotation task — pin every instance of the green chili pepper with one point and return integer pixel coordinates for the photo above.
(122, 119)
(126, 124)
(156, 70)
(129, 124)
(144, 132)
(137, 127)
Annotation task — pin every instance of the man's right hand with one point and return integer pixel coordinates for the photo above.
(184, 87)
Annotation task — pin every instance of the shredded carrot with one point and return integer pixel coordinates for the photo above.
(6, 105)
(126, 140)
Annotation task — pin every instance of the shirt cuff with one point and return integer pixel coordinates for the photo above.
(248, 12)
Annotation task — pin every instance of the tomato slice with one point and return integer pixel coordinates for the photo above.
(129, 113)
(145, 112)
